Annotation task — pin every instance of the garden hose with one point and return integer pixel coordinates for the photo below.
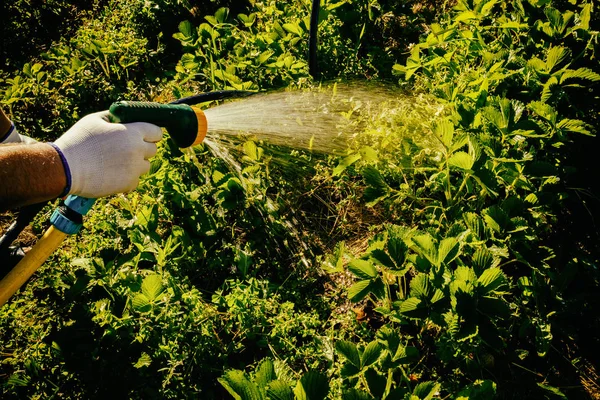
(187, 127)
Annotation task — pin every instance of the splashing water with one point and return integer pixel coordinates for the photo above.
(320, 120)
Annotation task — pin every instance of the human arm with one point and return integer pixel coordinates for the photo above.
(98, 158)
(29, 174)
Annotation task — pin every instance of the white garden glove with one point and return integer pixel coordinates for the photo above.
(12, 136)
(103, 158)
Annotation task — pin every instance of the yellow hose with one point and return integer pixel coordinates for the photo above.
(30, 263)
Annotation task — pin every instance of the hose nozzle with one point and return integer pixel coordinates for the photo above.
(186, 124)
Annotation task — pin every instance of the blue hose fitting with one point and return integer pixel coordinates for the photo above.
(68, 218)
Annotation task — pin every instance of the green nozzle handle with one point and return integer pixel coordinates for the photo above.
(181, 121)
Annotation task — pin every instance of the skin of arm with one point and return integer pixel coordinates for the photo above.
(41, 175)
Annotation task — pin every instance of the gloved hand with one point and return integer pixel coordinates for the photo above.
(103, 158)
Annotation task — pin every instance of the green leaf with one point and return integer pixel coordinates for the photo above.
(355, 394)
(444, 130)
(264, 56)
(543, 110)
(371, 354)
(547, 88)
(189, 61)
(349, 351)
(585, 17)
(552, 390)
(359, 290)
(496, 218)
(420, 287)
(143, 361)
(406, 355)
(244, 261)
(466, 16)
(376, 382)
(312, 386)
(264, 373)
(513, 25)
(487, 6)
(397, 250)
(574, 125)
(293, 28)
(448, 250)
(413, 307)
(222, 14)
(363, 269)
(426, 390)
(252, 151)
(348, 370)
(426, 246)
(382, 258)
(185, 27)
(555, 57)
(334, 262)
(580, 73)
(373, 178)
(239, 386)
(17, 380)
(345, 163)
(280, 390)
(141, 303)
(475, 225)
(491, 279)
(543, 338)
(152, 286)
(482, 260)
(461, 160)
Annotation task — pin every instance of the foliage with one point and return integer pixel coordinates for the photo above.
(29, 26)
(447, 268)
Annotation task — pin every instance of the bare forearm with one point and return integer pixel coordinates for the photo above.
(29, 174)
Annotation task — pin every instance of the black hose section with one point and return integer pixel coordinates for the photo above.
(312, 39)
(26, 215)
(212, 96)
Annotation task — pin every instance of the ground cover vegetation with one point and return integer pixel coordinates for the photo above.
(449, 252)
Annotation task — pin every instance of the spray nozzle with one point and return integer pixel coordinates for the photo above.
(186, 125)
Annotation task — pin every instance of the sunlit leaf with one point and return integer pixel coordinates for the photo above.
(491, 279)
(461, 160)
(349, 351)
(427, 390)
(141, 303)
(362, 269)
(264, 373)
(345, 163)
(239, 386)
(555, 57)
(152, 286)
(359, 290)
(144, 361)
(280, 390)
(420, 287)
(580, 73)
(371, 354)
